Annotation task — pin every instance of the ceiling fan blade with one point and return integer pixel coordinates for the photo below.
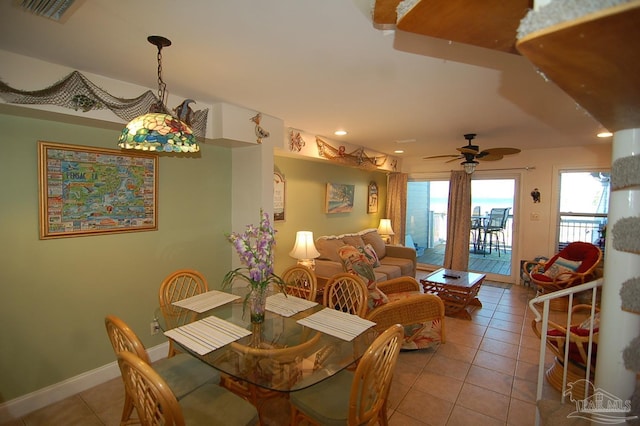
(455, 159)
(469, 149)
(502, 151)
(455, 156)
(489, 156)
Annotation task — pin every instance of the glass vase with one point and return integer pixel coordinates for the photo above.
(257, 302)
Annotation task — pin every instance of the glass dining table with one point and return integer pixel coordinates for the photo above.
(279, 354)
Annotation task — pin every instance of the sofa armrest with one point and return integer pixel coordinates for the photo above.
(398, 285)
(402, 252)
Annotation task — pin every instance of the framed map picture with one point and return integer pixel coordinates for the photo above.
(88, 191)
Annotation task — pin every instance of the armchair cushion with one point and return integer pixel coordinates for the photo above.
(420, 335)
(561, 266)
(421, 315)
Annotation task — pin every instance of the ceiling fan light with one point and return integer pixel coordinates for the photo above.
(469, 166)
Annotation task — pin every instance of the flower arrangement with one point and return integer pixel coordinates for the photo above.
(255, 249)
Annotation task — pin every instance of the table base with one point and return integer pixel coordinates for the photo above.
(456, 298)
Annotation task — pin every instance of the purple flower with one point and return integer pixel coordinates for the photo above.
(255, 250)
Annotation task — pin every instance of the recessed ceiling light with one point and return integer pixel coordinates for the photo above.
(604, 134)
(340, 132)
(399, 151)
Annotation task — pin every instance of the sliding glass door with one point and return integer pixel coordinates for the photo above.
(490, 246)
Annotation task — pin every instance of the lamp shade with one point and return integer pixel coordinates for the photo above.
(304, 248)
(158, 132)
(385, 227)
(469, 166)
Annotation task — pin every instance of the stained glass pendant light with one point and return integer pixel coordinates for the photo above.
(158, 130)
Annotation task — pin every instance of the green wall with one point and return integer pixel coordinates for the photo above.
(54, 294)
(305, 190)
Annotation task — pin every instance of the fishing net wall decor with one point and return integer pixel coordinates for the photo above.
(77, 92)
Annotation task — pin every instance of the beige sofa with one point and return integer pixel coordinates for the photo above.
(395, 261)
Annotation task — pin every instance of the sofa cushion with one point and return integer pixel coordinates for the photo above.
(352, 240)
(405, 265)
(371, 236)
(328, 248)
(391, 271)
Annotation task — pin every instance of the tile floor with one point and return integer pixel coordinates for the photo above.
(484, 374)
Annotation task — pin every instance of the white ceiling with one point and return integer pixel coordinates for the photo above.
(319, 65)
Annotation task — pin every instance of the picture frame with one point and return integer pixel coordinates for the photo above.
(339, 198)
(95, 191)
(279, 196)
(372, 198)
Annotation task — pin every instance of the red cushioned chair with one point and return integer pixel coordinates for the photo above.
(575, 264)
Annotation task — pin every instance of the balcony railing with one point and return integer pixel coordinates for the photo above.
(571, 227)
(590, 228)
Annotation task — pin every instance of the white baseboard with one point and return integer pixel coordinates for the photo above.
(23, 405)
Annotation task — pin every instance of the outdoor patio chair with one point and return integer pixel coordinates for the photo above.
(494, 227)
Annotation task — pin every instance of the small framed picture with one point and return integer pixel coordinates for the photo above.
(278, 196)
(372, 198)
(339, 198)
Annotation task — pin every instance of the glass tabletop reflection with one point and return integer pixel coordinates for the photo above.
(279, 354)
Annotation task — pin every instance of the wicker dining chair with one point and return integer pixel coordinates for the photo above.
(346, 292)
(157, 405)
(353, 398)
(301, 282)
(183, 373)
(179, 285)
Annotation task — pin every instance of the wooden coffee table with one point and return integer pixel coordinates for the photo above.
(457, 289)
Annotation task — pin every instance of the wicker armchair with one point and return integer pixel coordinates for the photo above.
(418, 313)
(586, 256)
(421, 315)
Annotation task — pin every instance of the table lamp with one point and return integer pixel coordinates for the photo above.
(385, 230)
(305, 250)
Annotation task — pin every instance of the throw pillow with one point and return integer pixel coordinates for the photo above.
(561, 266)
(371, 236)
(348, 256)
(355, 263)
(370, 254)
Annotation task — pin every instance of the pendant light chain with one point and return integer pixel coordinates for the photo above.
(162, 86)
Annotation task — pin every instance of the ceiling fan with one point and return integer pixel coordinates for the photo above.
(470, 153)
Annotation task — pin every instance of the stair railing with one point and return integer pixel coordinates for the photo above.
(544, 317)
